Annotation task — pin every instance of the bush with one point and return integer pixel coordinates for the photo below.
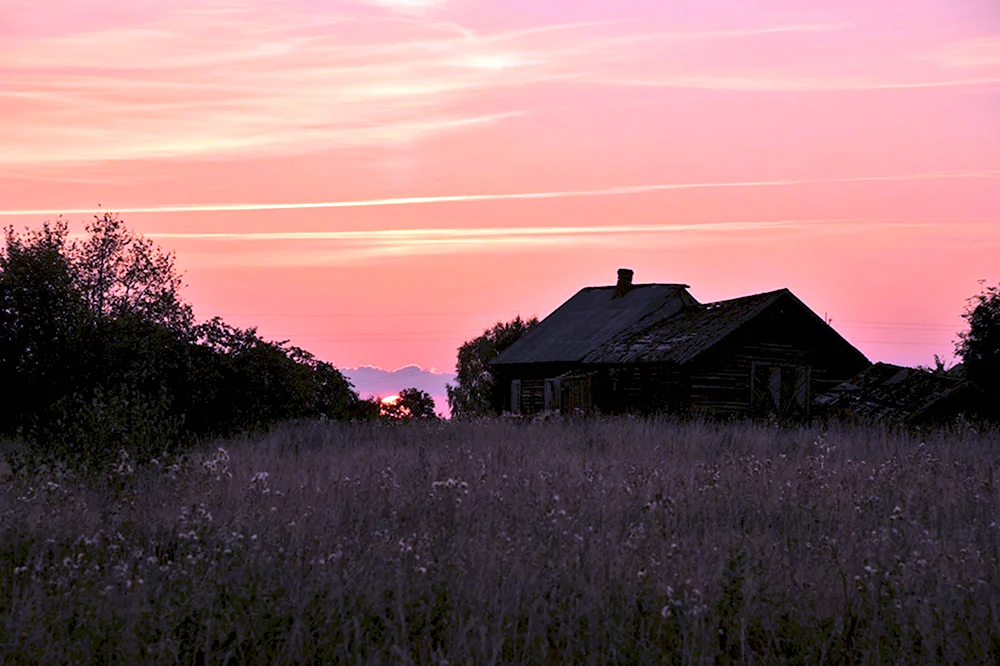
(106, 357)
(979, 347)
(472, 394)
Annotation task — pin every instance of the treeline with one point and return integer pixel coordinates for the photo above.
(100, 355)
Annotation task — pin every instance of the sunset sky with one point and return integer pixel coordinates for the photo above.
(380, 180)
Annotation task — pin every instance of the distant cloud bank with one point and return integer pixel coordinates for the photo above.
(369, 380)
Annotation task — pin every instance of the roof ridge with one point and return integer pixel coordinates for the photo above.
(775, 292)
(639, 285)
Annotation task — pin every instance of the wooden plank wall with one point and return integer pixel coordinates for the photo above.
(721, 382)
(532, 396)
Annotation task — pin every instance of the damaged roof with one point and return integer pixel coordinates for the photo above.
(683, 337)
(594, 317)
(892, 393)
(647, 323)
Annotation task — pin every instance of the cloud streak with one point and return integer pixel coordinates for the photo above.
(443, 236)
(510, 196)
(978, 53)
(254, 78)
(776, 83)
(364, 246)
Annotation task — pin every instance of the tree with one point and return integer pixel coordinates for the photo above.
(105, 355)
(939, 368)
(471, 394)
(42, 321)
(121, 273)
(412, 404)
(249, 382)
(979, 346)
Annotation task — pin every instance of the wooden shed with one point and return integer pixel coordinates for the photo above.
(892, 394)
(654, 348)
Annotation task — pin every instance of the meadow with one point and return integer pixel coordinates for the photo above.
(620, 541)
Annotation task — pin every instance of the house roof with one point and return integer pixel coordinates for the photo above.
(886, 392)
(594, 317)
(652, 323)
(683, 337)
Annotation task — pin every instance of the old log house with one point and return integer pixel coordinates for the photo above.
(649, 348)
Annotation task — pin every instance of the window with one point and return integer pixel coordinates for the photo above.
(779, 389)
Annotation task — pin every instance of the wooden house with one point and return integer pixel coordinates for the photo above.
(892, 394)
(654, 348)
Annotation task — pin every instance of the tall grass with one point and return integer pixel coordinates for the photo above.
(618, 541)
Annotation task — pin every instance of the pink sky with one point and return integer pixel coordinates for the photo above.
(379, 181)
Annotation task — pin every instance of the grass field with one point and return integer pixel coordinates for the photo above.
(617, 541)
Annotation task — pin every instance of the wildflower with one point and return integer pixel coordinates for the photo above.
(124, 467)
(259, 483)
(219, 465)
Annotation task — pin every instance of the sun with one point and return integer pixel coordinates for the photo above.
(390, 400)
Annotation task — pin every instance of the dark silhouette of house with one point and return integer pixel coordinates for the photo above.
(892, 394)
(653, 347)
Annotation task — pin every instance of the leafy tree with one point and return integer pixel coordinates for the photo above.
(105, 355)
(470, 396)
(251, 382)
(979, 346)
(413, 404)
(42, 321)
(122, 273)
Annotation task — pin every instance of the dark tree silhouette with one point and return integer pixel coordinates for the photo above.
(43, 321)
(413, 404)
(121, 273)
(470, 396)
(979, 346)
(105, 355)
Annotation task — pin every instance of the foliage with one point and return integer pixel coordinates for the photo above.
(249, 382)
(412, 405)
(940, 367)
(122, 273)
(472, 394)
(105, 355)
(43, 321)
(92, 433)
(624, 541)
(979, 346)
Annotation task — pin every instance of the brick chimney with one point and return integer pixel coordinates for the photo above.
(624, 282)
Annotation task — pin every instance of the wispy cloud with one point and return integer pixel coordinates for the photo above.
(983, 52)
(359, 247)
(775, 82)
(509, 196)
(245, 78)
(236, 83)
(510, 235)
(407, 6)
